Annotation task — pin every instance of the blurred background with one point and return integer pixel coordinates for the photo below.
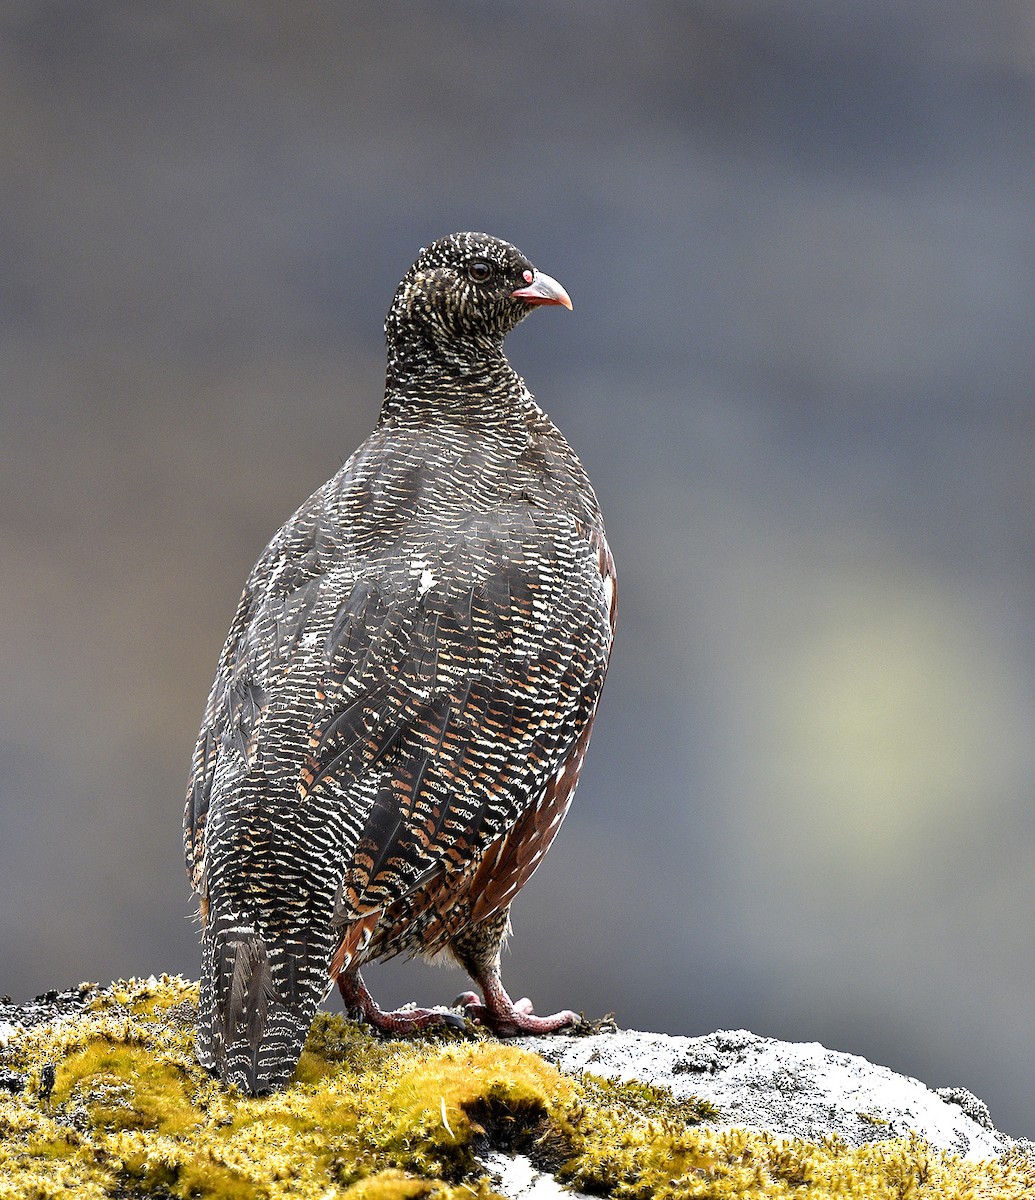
(799, 239)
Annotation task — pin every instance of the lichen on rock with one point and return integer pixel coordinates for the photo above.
(110, 1102)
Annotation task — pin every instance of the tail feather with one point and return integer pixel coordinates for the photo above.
(252, 1019)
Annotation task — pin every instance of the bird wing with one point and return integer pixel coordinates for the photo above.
(230, 706)
(457, 683)
(259, 677)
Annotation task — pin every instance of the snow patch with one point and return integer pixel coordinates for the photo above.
(516, 1178)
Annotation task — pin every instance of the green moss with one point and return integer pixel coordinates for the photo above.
(131, 1113)
(125, 1087)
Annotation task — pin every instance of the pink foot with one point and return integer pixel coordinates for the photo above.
(400, 1023)
(509, 1019)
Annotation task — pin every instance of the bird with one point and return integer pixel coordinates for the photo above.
(403, 704)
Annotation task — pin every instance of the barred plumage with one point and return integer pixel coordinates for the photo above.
(405, 697)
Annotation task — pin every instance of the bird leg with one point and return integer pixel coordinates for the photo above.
(477, 949)
(505, 1017)
(360, 1004)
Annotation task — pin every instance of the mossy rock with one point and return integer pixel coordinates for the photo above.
(114, 1105)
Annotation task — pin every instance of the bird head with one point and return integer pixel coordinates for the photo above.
(465, 293)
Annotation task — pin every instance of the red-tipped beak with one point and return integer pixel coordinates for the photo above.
(543, 290)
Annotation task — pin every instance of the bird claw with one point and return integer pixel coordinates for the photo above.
(402, 1022)
(407, 1021)
(456, 1023)
(512, 1019)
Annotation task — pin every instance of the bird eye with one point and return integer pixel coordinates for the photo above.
(479, 270)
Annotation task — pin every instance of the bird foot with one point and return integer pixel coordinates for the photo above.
(507, 1018)
(401, 1022)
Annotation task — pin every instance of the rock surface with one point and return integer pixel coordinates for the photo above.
(851, 1128)
(789, 1089)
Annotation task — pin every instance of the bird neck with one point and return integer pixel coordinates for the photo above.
(460, 381)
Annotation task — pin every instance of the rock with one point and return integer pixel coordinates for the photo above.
(49, 1007)
(800, 1090)
(101, 1094)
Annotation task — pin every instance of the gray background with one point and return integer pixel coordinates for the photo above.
(799, 239)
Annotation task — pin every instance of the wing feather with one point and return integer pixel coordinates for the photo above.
(459, 709)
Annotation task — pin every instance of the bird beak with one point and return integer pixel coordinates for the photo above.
(543, 290)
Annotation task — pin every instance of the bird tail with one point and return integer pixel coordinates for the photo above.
(251, 1025)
